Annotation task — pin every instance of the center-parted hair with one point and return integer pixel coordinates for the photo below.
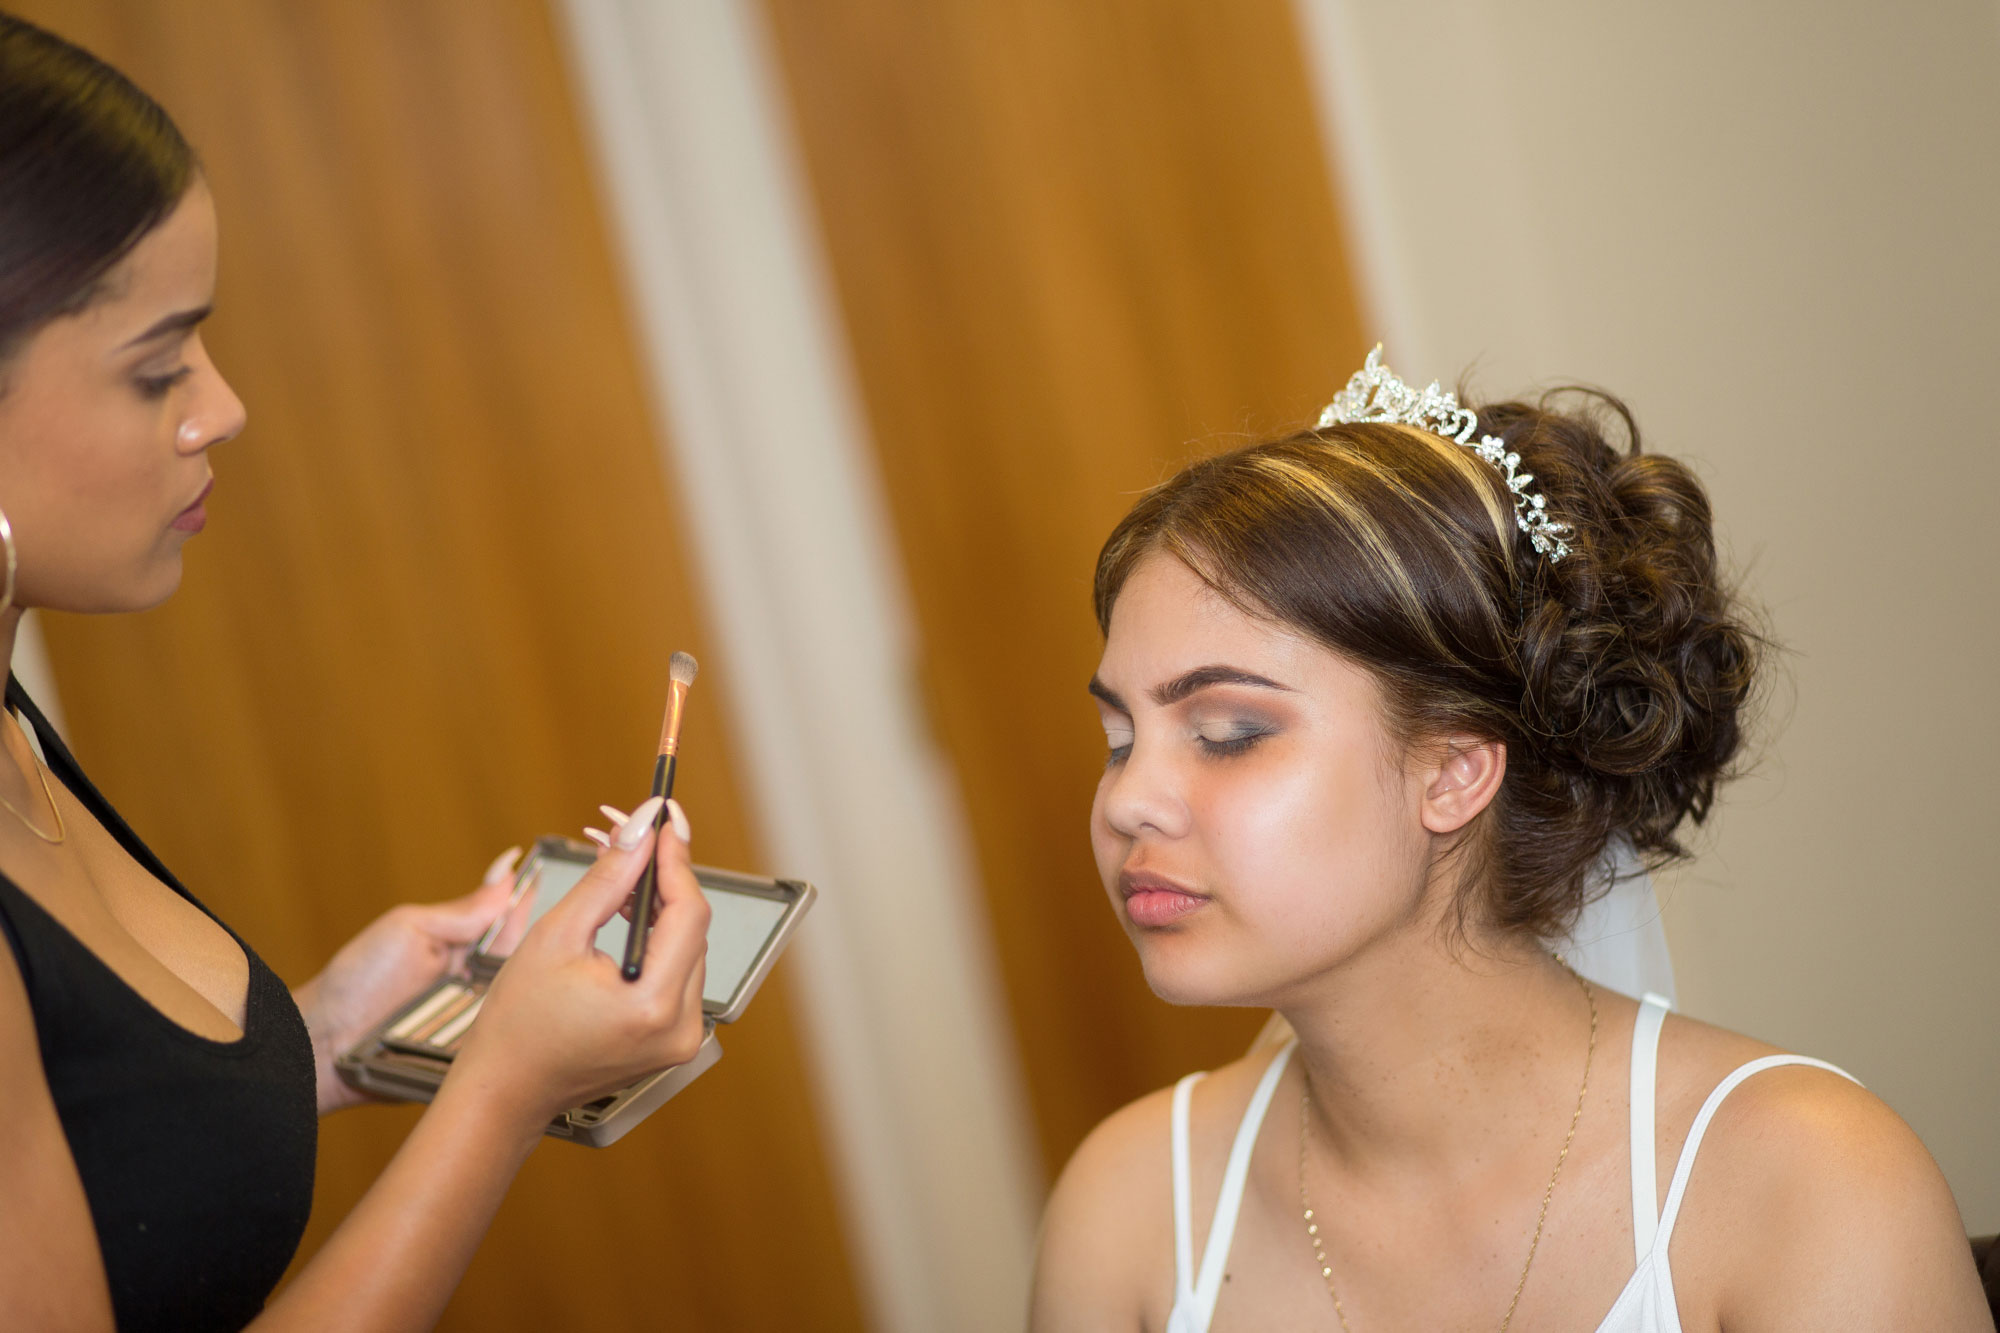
(88, 165)
(1618, 678)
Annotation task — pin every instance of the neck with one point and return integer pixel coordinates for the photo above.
(1419, 1052)
(16, 759)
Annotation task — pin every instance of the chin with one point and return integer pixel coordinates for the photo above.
(1195, 981)
(141, 593)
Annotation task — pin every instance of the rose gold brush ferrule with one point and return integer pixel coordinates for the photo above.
(670, 730)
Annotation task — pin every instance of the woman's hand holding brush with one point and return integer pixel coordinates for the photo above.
(676, 820)
(560, 1024)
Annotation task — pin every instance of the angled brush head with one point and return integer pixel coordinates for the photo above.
(680, 674)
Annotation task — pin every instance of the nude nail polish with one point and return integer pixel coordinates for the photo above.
(633, 831)
(502, 867)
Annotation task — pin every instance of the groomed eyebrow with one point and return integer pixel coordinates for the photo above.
(175, 323)
(1187, 683)
(1108, 695)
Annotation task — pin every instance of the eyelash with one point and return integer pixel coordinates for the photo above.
(1234, 745)
(1222, 749)
(158, 386)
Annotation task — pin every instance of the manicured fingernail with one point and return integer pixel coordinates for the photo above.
(614, 814)
(678, 818)
(598, 836)
(633, 831)
(502, 867)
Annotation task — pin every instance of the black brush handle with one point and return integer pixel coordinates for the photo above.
(642, 897)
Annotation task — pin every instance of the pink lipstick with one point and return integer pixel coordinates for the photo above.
(195, 517)
(1151, 901)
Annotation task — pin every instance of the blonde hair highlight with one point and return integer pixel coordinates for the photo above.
(1615, 680)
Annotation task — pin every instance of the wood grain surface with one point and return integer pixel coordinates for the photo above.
(432, 612)
(1074, 245)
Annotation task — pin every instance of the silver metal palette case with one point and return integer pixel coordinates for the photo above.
(752, 919)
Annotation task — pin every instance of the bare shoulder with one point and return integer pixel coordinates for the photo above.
(1103, 1217)
(1105, 1260)
(1811, 1203)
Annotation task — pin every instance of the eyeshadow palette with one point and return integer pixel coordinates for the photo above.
(751, 919)
(436, 1026)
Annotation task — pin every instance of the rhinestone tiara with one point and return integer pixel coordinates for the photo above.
(1375, 394)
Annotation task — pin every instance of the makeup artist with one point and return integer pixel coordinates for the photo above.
(159, 1087)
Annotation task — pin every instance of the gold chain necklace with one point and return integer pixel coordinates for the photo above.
(1312, 1224)
(15, 811)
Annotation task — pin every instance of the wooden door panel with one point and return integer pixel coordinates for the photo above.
(1074, 244)
(432, 612)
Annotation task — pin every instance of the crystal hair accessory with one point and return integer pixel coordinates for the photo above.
(1375, 394)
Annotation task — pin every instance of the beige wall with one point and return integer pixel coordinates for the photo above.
(1771, 229)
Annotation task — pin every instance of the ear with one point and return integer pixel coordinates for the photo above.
(1462, 782)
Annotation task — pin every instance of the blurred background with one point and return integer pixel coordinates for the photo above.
(826, 339)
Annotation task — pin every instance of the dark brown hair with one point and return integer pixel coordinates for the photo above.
(1618, 678)
(88, 165)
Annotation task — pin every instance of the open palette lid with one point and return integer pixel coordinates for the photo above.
(751, 919)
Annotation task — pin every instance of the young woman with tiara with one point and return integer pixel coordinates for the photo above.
(158, 1085)
(1379, 697)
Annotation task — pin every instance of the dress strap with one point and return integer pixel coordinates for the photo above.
(1221, 1231)
(1183, 1219)
(1645, 1091)
(1685, 1167)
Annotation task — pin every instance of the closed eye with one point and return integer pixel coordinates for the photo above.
(159, 386)
(1236, 742)
(1120, 741)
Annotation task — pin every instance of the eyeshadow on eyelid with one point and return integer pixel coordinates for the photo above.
(1240, 723)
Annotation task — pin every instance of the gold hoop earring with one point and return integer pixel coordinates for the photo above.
(7, 541)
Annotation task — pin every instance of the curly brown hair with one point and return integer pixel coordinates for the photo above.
(1618, 679)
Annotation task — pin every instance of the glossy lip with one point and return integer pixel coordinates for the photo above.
(1153, 901)
(195, 517)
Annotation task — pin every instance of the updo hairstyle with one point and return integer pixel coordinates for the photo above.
(88, 165)
(1617, 678)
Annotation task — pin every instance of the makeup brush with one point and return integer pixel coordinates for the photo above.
(680, 674)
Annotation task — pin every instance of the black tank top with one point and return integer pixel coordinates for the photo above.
(196, 1155)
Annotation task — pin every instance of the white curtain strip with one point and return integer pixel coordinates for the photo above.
(919, 1089)
(1340, 88)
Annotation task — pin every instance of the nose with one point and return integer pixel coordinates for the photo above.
(215, 413)
(1141, 795)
